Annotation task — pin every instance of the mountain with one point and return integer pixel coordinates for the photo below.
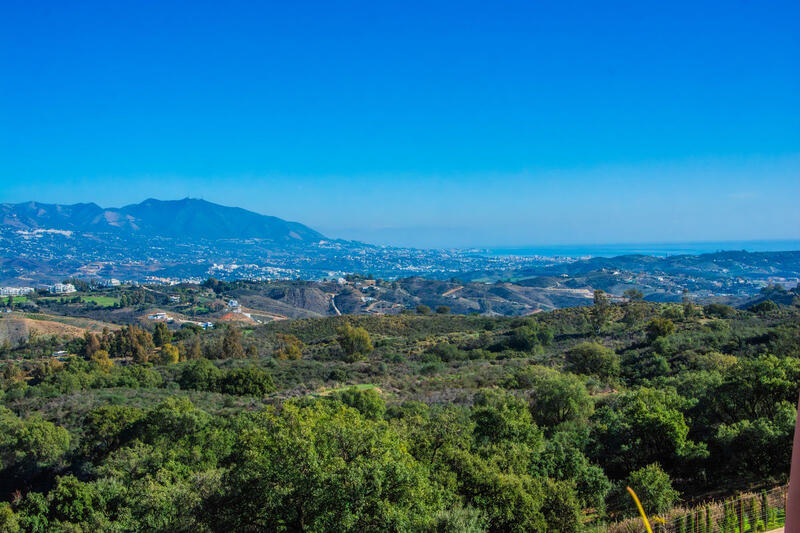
(188, 219)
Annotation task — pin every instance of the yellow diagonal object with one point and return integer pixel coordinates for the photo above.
(641, 510)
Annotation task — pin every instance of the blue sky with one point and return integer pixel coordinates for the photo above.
(428, 124)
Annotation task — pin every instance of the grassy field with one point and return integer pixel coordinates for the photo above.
(15, 299)
(102, 301)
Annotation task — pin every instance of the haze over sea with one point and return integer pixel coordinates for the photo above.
(657, 249)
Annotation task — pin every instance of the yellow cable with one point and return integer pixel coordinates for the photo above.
(641, 511)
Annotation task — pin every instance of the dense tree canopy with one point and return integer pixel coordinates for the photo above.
(414, 422)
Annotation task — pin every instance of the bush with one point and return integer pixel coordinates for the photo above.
(592, 359)
(659, 327)
(719, 310)
(561, 507)
(201, 374)
(169, 354)
(367, 401)
(763, 308)
(555, 397)
(355, 343)
(444, 351)
(653, 487)
(249, 381)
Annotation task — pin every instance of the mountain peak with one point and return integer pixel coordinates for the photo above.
(188, 218)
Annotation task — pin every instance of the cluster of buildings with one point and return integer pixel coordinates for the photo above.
(61, 288)
(15, 291)
(235, 307)
(204, 325)
(160, 317)
(164, 317)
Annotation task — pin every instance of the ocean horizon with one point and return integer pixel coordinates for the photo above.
(655, 249)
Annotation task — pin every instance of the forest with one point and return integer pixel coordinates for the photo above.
(411, 422)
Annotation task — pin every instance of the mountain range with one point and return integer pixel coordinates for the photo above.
(189, 219)
(193, 239)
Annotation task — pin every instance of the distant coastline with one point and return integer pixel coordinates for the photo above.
(655, 249)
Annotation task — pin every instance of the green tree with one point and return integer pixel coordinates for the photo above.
(659, 327)
(640, 427)
(561, 507)
(502, 417)
(355, 343)
(322, 468)
(194, 349)
(91, 344)
(633, 294)
(759, 448)
(161, 335)
(527, 337)
(512, 502)
(248, 381)
(9, 520)
(593, 359)
(200, 374)
(169, 354)
(756, 388)
(31, 443)
(763, 308)
(653, 487)
(719, 310)
(72, 501)
(101, 359)
(368, 402)
(106, 427)
(289, 347)
(563, 460)
(601, 311)
(556, 398)
(232, 343)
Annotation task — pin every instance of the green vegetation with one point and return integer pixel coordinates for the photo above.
(102, 301)
(415, 422)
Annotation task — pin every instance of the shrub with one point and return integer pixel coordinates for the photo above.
(659, 327)
(653, 487)
(249, 381)
(592, 359)
(355, 343)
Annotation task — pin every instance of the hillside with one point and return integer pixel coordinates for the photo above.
(413, 418)
(189, 219)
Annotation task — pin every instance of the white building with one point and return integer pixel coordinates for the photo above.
(15, 291)
(113, 282)
(61, 288)
(160, 316)
(233, 304)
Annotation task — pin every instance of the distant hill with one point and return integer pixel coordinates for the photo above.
(724, 264)
(189, 219)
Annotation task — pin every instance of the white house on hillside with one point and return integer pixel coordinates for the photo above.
(61, 288)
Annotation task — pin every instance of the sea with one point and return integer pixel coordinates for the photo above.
(662, 249)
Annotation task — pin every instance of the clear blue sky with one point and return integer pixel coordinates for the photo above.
(429, 124)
